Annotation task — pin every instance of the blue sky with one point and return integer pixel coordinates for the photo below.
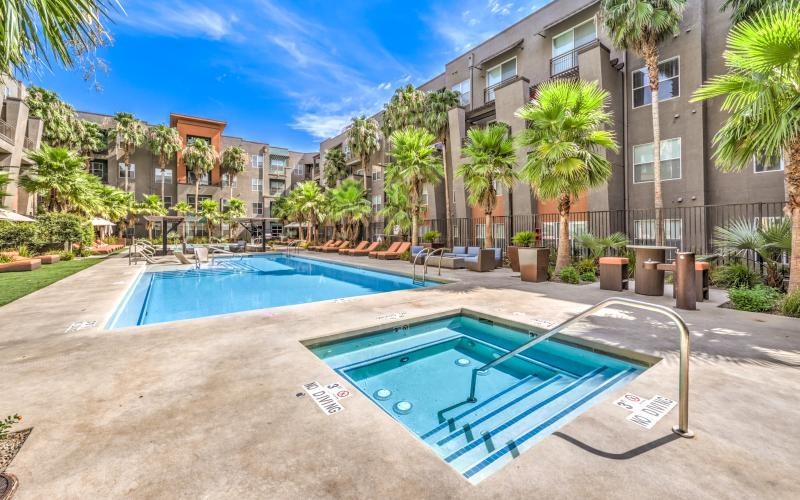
(286, 73)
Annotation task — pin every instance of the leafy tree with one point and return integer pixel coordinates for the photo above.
(566, 139)
(234, 162)
(335, 169)
(350, 206)
(396, 211)
(437, 107)
(414, 164)
(126, 134)
(235, 209)
(88, 137)
(151, 205)
(209, 210)
(598, 247)
(640, 26)
(490, 165)
(761, 94)
(405, 109)
(164, 142)
(58, 176)
(199, 157)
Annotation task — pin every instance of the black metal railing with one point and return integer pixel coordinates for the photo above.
(488, 93)
(568, 61)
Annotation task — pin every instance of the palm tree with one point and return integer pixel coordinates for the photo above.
(234, 209)
(199, 157)
(640, 26)
(127, 134)
(58, 117)
(770, 243)
(234, 162)
(350, 206)
(58, 176)
(414, 164)
(209, 210)
(335, 169)
(761, 93)
(88, 138)
(164, 142)
(437, 107)
(746, 9)
(183, 208)
(490, 165)
(566, 140)
(151, 205)
(61, 30)
(396, 211)
(405, 109)
(308, 199)
(364, 139)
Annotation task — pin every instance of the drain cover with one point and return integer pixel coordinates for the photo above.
(382, 394)
(403, 407)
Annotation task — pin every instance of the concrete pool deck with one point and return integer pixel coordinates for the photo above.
(208, 407)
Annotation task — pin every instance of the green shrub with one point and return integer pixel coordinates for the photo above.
(406, 255)
(5, 259)
(23, 251)
(60, 228)
(6, 423)
(570, 275)
(524, 238)
(585, 266)
(66, 255)
(760, 298)
(791, 305)
(589, 277)
(734, 276)
(14, 234)
(431, 236)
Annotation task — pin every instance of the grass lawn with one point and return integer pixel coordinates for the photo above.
(19, 284)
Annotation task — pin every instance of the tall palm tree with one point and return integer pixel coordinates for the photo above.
(45, 30)
(640, 26)
(151, 205)
(364, 139)
(745, 9)
(59, 176)
(88, 138)
(127, 133)
(437, 107)
(233, 210)
(396, 211)
(58, 117)
(335, 169)
(164, 142)
(308, 199)
(350, 206)
(182, 208)
(761, 95)
(414, 164)
(234, 162)
(199, 157)
(490, 165)
(209, 210)
(406, 108)
(566, 138)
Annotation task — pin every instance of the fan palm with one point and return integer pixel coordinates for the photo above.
(308, 199)
(234, 162)
(209, 210)
(396, 211)
(88, 137)
(183, 208)
(640, 26)
(770, 242)
(233, 210)
(199, 157)
(364, 140)
(746, 9)
(151, 205)
(437, 107)
(598, 247)
(164, 142)
(414, 164)
(58, 117)
(490, 165)
(58, 176)
(127, 133)
(761, 95)
(405, 109)
(350, 206)
(566, 140)
(335, 167)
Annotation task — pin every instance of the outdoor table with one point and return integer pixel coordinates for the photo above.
(649, 279)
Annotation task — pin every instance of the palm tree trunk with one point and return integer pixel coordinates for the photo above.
(127, 168)
(792, 171)
(231, 178)
(448, 191)
(563, 257)
(196, 194)
(651, 60)
(489, 224)
(414, 225)
(163, 169)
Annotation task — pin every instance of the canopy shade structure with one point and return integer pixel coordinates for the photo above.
(164, 220)
(250, 223)
(101, 222)
(13, 216)
(297, 224)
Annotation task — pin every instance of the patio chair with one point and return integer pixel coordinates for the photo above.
(314, 248)
(201, 255)
(366, 251)
(150, 259)
(484, 261)
(457, 252)
(361, 246)
(394, 246)
(335, 248)
(403, 248)
(321, 248)
(182, 258)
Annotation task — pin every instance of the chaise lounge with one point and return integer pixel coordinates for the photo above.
(360, 246)
(334, 248)
(394, 246)
(366, 251)
(403, 248)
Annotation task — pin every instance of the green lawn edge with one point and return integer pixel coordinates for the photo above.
(19, 284)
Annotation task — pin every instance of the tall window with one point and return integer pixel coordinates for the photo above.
(167, 200)
(670, 161)
(767, 164)
(564, 44)
(226, 180)
(256, 185)
(377, 174)
(300, 169)
(204, 179)
(377, 203)
(644, 231)
(167, 175)
(257, 161)
(464, 92)
(277, 164)
(423, 201)
(131, 171)
(499, 73)
(100, 169)
(668, 83)
(258, 208)
(276, 188)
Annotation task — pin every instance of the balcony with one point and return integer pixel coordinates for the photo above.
(488, 93)
(277, 171)
(29, 143)
(7, 131)
(566, 65)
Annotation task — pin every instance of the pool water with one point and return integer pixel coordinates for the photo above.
(421, 375)
(245, 283)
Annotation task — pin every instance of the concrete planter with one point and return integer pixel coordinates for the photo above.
(533, 263)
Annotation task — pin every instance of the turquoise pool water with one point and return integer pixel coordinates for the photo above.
(245, 283)
(421, 376)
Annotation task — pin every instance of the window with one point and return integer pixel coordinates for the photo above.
(226, 180)
(204, 179)
(258, 208)
(498, 74)
(167, 176)
(99, 169)
(277, 164)
(377, 203)
(377, 174)
(257, 161)
(200, 199)
(131, 171)
(670, 161)
(464, 92)
(300, 170)
(256, 185)
(276, 188)
(564, 45)
(423, 201)
(668, 83)
(167, 200)
(644, 232)
(761, 165)
(223, 204)
(191, 138)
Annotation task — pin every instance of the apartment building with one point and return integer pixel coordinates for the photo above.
(19, 133)
(566, 39)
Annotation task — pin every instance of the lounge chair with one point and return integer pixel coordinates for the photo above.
(360, 246)
(335, 249)
(167, 259)
(329, 243)
(403, 248)
(201, 255)
(364, 251)
(394, 246)
(182, 258)
(484, 261)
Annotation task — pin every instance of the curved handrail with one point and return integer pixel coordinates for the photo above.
(682, 428)
(423, 252)
(425, 268)
(291, 244)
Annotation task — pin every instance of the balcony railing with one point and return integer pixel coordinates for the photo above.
(29, 143)
(568, 61)
(7, 130)
(277, 191)
(488, 93)
(277, 171)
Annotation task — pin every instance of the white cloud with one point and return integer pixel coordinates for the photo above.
(385, 85)
(290, 47)
(495, 7)
(179, 19)
(320, 126)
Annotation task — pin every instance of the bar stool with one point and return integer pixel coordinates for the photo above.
(614, 273)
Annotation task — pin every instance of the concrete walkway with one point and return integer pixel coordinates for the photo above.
(208, 407)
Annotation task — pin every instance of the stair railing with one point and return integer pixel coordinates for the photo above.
(422, 253)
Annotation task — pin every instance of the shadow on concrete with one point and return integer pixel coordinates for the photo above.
(627, 455)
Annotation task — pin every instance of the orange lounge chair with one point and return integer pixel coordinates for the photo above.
(396, 254)
(366, 251)
(361, 246)
(334, 249)
(394, 246)
(330, 243)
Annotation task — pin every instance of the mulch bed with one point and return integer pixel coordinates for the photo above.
(10, 446)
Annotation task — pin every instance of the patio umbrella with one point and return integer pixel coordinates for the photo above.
(13, 216)
(102, 224)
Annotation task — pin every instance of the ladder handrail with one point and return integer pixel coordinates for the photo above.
(291, 244)
(425, 269)
(683, 376)
(423, 252)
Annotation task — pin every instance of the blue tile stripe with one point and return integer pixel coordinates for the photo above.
(494, 412)
(525, 413)
(476, 407)
(416, 347)
(531, 433)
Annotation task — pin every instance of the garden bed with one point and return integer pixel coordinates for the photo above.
(11, 445)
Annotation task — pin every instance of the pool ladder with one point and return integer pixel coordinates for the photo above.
(682, 429)
(290, 245)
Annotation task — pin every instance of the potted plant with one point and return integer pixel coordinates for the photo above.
(430, 238)
(522, 239)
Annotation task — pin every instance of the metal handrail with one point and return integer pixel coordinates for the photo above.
(425, 268)
(682, 428)
(423, 252)
(216, 250)
(291, 244)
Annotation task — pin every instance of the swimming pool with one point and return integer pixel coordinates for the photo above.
(245, 283)
(421, 375)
